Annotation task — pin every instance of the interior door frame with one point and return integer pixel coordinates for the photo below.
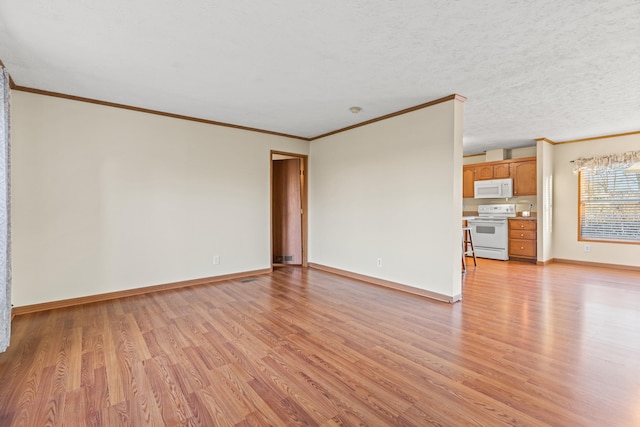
(303, 201)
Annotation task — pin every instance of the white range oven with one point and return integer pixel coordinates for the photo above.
(490, 231)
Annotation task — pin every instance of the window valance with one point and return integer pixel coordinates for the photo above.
(608, 161)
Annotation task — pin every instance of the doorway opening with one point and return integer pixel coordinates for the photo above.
(288, 209)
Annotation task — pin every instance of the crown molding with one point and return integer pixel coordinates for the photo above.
(13, 86)
(593, 138)
(149, 111)
(452, 97)
(231, 125)
(614, 135)
(545, 140)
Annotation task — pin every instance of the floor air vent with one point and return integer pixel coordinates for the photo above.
(283, 258)
(253, 279)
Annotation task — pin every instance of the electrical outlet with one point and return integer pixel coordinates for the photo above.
(379, 262)
(216, 259)
(587, 248)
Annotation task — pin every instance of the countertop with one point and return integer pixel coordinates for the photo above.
(527, 218)
(467, 215)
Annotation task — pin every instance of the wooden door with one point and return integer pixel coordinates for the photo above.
(287, 211)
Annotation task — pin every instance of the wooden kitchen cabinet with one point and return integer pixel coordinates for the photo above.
(468, 176)
(484, 172)
(523, 244)
(524, 178)
(522, 171)
(492, 171)
(501, 171)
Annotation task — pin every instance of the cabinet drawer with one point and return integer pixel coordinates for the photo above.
(523, 248)
(522, 234)
(522, 224)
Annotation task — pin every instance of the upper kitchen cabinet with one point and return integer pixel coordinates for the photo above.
(484, 172)
(521, 170)
(501, 171)
(468, 176)
(524, 178)
(491, 171)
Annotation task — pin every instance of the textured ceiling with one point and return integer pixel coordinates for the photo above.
(529, 69)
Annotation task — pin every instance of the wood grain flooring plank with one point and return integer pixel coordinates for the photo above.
(140, 385)
(316, 407)
(214, 349)
(116, 384)
(257, 408)
(97, 394)
(481, 372)
(18, 381)
(118, 415)
(269, 336)
(87, 369)
(169, 410)
(528, 345)
(352, 403)
(205, 414)
(496, 400)
(288, 412)
(69, 361)
(199, 364)
(228, 397)
(308, 392)
(23, 392)
(48, 406)
(390, 399)
(144, 412)
(74, 407)
(174, 397)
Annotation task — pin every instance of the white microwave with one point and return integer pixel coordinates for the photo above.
(493, 188)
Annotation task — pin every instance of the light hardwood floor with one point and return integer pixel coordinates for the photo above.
(528, 345)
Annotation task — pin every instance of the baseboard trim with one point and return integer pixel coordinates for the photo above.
(547, 262)
(387, 284)
(596, 264)
(34, 308)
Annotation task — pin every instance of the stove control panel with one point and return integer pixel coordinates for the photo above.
(504, 210)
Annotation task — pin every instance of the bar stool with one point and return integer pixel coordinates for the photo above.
(467, 248)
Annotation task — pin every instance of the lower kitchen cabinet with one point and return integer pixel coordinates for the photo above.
(523, 243)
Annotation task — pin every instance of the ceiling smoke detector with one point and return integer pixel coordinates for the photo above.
(355, 110)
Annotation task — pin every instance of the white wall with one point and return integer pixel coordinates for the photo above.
(545, 177)
(565, 204)
(517, 153)
(514, 153)
(106, 199)
(391, 190)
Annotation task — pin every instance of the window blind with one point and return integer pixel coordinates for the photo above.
(609, 205)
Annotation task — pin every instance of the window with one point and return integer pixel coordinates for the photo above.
(609, 205)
